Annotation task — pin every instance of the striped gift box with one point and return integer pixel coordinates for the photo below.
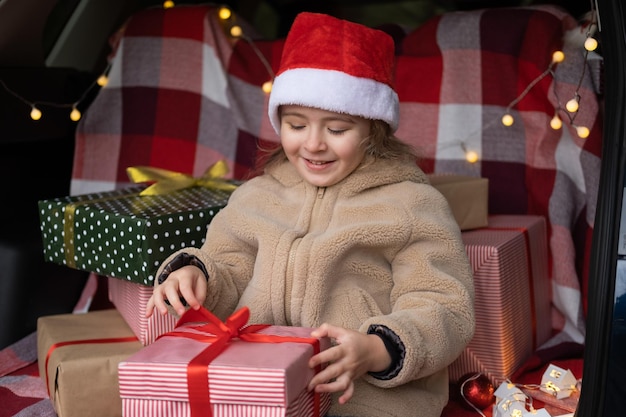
(130, 299)
(511, 279)
(251, 379)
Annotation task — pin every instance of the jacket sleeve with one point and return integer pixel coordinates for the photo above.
(433, 295)
(228, 255)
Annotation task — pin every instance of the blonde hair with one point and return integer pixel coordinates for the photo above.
(380, 144)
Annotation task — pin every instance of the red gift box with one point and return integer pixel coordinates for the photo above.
(199, 369)
(512, 303)
(130, 299)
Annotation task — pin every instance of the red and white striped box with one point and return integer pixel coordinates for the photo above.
(510, 262)
(255, 379)
(130, 299)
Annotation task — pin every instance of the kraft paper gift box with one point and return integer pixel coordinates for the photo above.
(188, 373)
(131, 299)
(512, 302)
(467, 196)
(78, 356)
(124, 234)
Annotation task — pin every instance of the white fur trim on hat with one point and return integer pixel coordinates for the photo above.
(334, 91)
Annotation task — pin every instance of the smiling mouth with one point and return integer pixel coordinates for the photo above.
(317, 162)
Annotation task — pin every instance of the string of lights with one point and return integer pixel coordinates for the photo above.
(572, 106)
(559, 388)
(226, 16)
(75, 114)
(228, 19)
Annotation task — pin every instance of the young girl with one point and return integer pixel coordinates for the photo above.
(342, 233)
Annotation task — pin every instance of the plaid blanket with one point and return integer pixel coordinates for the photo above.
(22, 391)
(182, 95)
(457, 76)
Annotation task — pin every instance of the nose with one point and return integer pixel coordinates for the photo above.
(315, 141)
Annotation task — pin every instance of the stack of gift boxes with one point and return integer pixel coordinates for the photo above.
(110, 363)
(509, 257)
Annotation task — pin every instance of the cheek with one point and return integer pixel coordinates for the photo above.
(350, 150)
(289, 144)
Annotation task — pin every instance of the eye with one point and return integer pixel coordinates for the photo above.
(337, 132)
(293, 126)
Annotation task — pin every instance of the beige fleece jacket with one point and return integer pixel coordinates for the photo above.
(380, 247)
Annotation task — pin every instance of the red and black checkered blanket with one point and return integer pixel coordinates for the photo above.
(183, 94)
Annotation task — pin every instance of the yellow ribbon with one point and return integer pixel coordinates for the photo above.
(68, 223)
(166, 181)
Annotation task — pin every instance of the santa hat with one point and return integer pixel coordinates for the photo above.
(336, 65)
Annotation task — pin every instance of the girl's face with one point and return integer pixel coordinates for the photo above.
(325, 147)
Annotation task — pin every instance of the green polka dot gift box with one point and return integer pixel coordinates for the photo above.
(124, 234)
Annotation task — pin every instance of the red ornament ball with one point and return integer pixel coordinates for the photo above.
(476, 389)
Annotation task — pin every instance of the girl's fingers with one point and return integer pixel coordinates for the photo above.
(347, 394)
(158, 301)
(329, 355)
(172, 295)
(189, 296)
(150, 307)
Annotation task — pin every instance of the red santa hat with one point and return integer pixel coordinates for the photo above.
(336, 65)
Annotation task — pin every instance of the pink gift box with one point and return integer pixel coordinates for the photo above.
(246, 378)
(130, 299)
(512, 304)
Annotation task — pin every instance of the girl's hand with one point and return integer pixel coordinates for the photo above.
(188, 283)
(353, 356)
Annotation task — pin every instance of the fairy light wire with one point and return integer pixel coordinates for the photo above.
(528, 399)
(36, 104)
(229, 19)
(472, 378)
(530, 86)
(259, 54)
(507, 118)
(14, 94)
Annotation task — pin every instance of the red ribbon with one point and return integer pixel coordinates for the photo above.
(219, 334)
(83, 342)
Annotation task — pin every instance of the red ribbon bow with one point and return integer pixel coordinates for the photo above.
(210, 329)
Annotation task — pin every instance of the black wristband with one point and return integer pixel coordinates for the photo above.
(180, 260)
(394, 347)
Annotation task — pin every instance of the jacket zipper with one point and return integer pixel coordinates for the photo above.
(292, 257)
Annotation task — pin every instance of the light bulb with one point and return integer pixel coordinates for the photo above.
(556, 123)
(168, 4)
(102, 80)
(35, 113)
(471, 157)
(224, 13)
(267, 87)
(236, 31)
(558, 56)
(582, 131)
(75, 115)
(572, 105)
(591, 44)
(507, 120)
